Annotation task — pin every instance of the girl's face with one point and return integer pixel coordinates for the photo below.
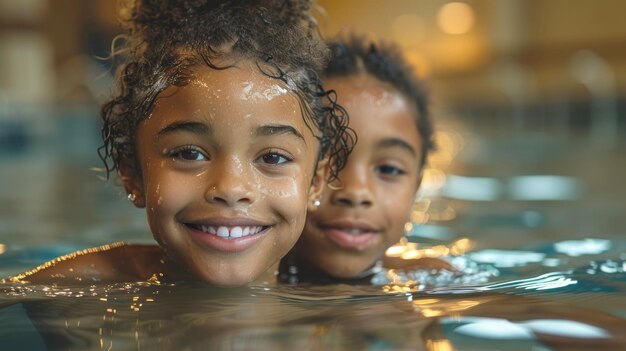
(227, 170)
(356, 223)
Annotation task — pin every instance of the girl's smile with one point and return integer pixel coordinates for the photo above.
(228, 234)
(227, 166)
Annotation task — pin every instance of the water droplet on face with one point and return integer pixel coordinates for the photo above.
(248, 93)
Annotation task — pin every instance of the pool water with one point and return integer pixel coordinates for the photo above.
(533, 222)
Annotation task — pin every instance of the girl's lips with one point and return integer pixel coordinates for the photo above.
(228, 239)
(350, 237)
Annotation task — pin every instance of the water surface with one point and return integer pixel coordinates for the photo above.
(534, 224)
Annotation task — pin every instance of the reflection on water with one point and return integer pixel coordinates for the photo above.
(538, 253)
(145, 316)
(582, 247)
(507, 258)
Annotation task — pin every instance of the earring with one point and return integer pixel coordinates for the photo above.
(132, 197)
(317, 203)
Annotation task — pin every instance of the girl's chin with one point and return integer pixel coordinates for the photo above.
(344, 266)
(221, 280)
(232, 272)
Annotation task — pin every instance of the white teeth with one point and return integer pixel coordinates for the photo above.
(230, 232)
(222, 232)
(236, 232)
(355, 231)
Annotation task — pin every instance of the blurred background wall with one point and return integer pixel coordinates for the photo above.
(522, 62)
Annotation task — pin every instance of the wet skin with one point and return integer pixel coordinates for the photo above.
(227, 171)
(365, 212)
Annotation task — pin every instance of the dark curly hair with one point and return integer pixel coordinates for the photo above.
(355, 54)
(164, 40)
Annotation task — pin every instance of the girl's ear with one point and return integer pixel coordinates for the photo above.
(318, 183)
(133, 185)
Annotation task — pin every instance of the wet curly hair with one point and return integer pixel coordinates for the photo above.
(165, 39)
(352, 55)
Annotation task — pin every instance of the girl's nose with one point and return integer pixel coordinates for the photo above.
(355, 189)
(230, 185)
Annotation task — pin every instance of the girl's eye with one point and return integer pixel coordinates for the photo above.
(189, 154)
(390, 170)
(273, 158)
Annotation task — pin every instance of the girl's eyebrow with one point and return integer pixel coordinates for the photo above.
(396, 142)
(188, 126)
(274, 129)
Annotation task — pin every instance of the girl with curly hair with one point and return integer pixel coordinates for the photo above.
(364, 212)
(222, 131)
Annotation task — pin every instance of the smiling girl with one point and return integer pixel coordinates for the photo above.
(221, 131)
(364, 212)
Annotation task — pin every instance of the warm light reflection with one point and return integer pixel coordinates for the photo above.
(435, 251)
(394, 251)
(440, 159)
(2, 249)
(419, 217)
(407, 287)
(461, 246)
(439, 345)
(409, 251)
(425, 301)
(427, 312)
(422, 205)
(398, 249)
(449, 141)
(436, 308)
(445, 214)
(433, 179)
(455, 18)
(408, 226)
(411, 254)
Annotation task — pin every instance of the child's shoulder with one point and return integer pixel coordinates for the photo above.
(117, 262)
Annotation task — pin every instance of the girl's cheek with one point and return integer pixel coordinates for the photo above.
(167, 194)
(285, 188)
(288, 196)
(399, 206)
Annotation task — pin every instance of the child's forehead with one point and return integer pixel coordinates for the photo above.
(354, 90)
(238, 92)
(242, 78)
(238, 86)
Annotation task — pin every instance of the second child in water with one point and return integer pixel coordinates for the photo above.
(364, 212)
